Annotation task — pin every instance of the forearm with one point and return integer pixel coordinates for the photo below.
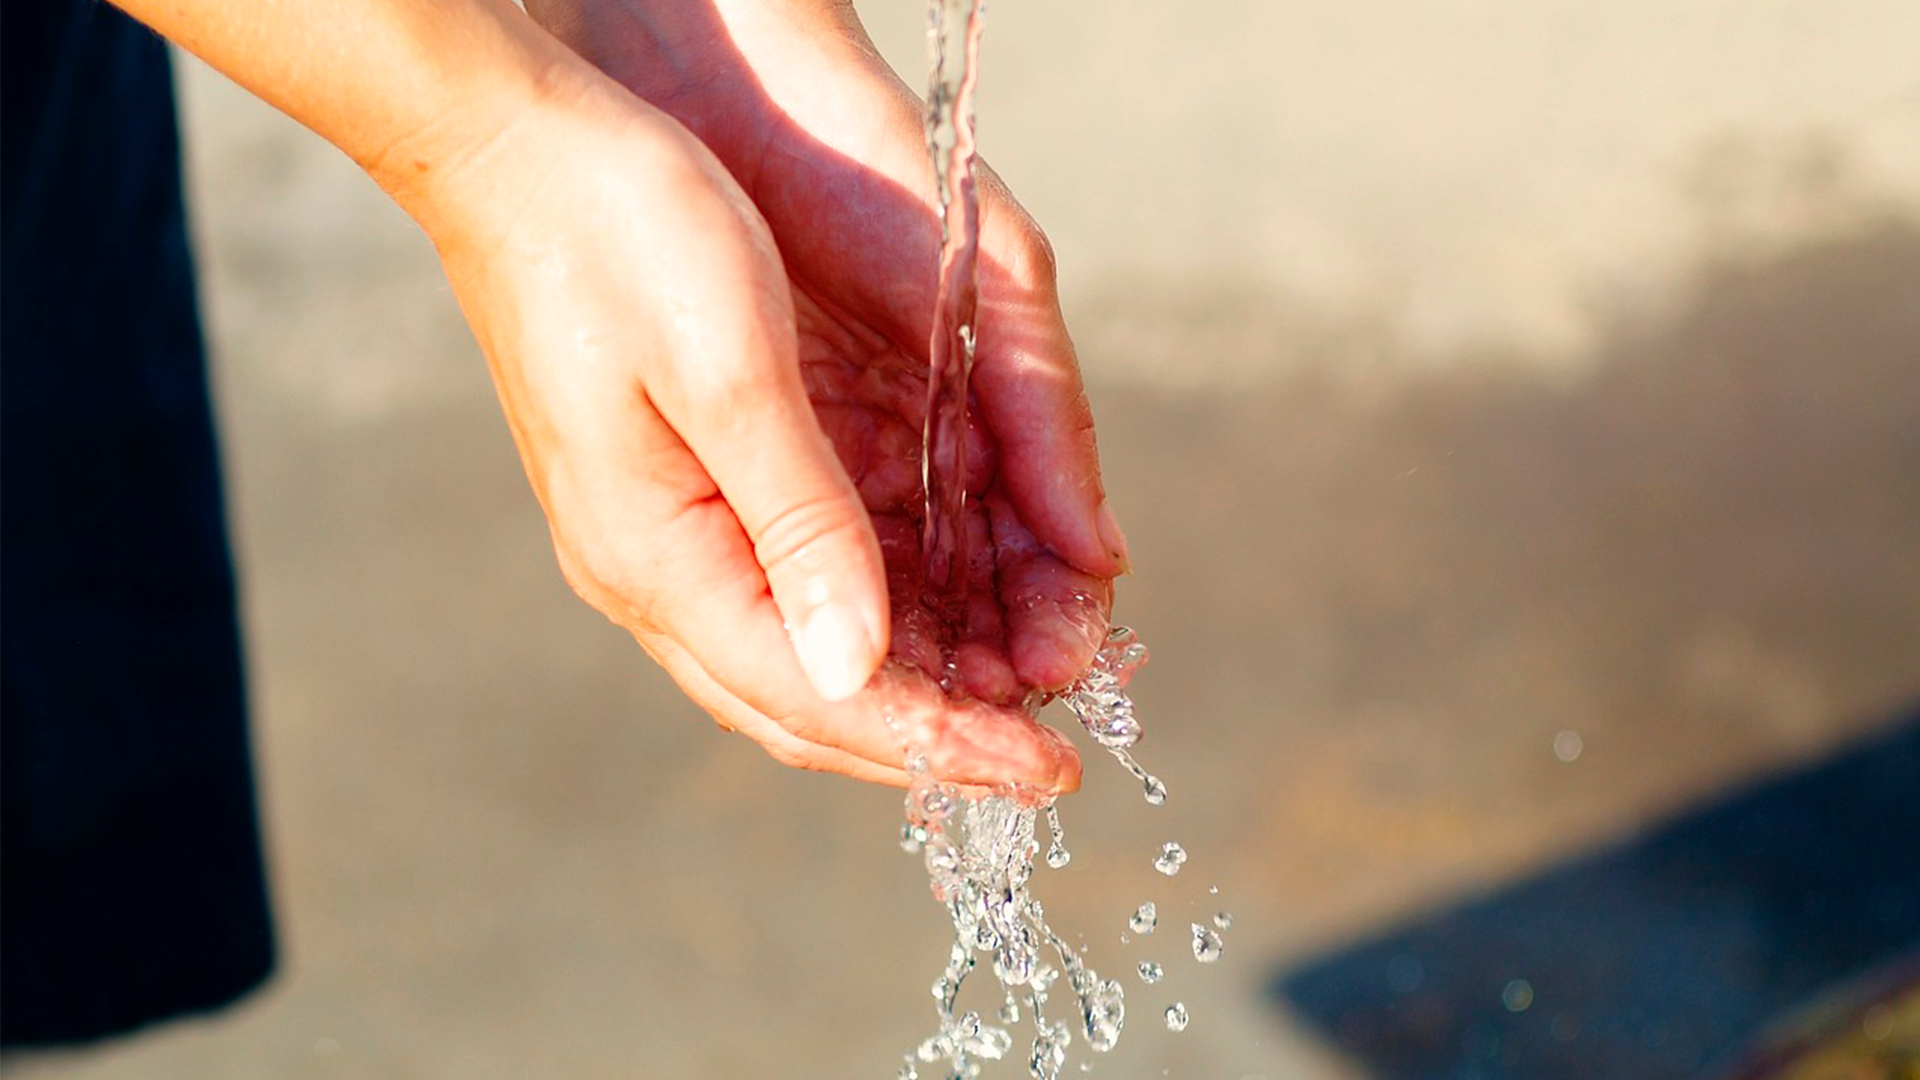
(412, 90)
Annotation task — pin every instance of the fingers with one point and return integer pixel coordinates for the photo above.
(732, 392)
(735, 715)
(970, 743)
(700, 609)
(1056, 614)
(1027, 382)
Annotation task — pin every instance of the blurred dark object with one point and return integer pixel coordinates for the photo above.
(1867, 1030)
(1656, 958)
(132, 886)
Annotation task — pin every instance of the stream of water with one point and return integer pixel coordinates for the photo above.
(980, 852)
(956, 52)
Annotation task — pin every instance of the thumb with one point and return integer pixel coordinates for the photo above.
(812, 537)
(743, 412)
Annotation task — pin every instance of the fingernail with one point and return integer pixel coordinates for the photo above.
(1111, 536)
(835, 651)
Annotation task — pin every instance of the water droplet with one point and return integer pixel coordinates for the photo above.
(1172, 857)
(1047, 1057)
(1213, 890)
(1207, 945)
(1057, 854)
(1223, 920)
(1145, 919)
(936, 802)
(1150, 972)
(1567, 746)
(1009, 1011)
(1156, 791)
(1176, 1017)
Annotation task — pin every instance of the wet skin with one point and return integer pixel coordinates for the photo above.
(826, 144)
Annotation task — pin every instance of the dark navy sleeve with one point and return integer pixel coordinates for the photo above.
(132, 885)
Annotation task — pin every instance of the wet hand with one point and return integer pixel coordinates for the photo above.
(661, 374)
(828, 145)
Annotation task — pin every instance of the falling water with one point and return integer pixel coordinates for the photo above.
(955, 32)
(979, 853)
(980, 861)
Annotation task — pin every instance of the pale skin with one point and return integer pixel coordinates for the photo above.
(693, 240)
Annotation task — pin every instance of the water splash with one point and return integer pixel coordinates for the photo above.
(1100, 702)
(979, 856)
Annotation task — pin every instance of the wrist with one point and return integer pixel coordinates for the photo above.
(457, 147)
(472, 179)
(716, 67)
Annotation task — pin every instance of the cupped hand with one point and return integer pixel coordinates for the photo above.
(828, 143)
(662, 374)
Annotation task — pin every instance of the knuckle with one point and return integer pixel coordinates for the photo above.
(810, 535)
(606, 581)
(730, 396)
(1035, 257)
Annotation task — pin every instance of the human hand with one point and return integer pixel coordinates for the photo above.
(644, 340)
(828, 143)
(649, 351)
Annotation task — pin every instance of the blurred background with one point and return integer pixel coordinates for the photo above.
(1515, 411)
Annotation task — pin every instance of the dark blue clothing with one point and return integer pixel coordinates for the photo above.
(131, 881)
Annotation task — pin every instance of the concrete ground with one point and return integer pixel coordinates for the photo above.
(1468, 374)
